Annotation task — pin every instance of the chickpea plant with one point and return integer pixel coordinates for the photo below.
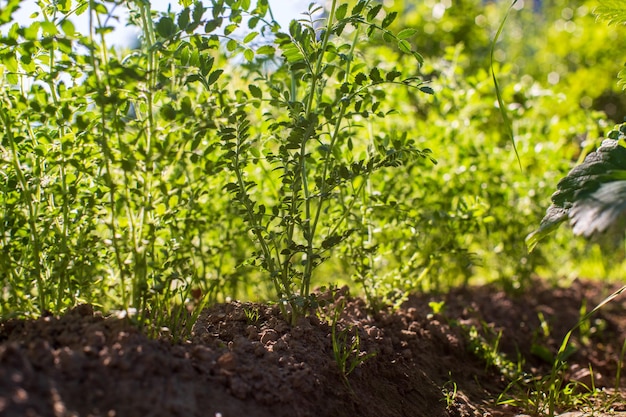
(157, 176)
(319, 98)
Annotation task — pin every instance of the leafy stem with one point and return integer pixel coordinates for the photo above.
(32, 209)
(282, 287)
(327, 163)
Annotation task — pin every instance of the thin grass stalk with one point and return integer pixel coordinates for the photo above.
(503, 112)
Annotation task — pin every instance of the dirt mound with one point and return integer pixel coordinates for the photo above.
(244, 360)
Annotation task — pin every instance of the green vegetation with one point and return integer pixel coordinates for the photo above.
(226, 157)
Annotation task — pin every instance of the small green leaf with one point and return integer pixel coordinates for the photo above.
(253, 22)
(9, 61)
(49, 28)
(214, 76)
(63, 5)
(341, 11)
(392, 75)
(165, 27)
(168, 112)
(388, 20)
(30, 33)
(230, 28)
(360, 78)
(7, 10)
(418, 56)
(371, 15)
(81, 8)
(427, 90)
(68, 27)
(406, 33)
(359, 7)
(213, 24)
(231, 45)
(375, 75)
(198, 11)
(249, 55)
(255, 91)
(404, 46)
(250, 37)
(266, 50)
(230, 187)
(183, 19)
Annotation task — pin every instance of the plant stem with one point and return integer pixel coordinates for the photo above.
(307, 226)
(139, 249)
(32, 210)
(244, 198)
(327, 164)
(62, 285)
(108, 157)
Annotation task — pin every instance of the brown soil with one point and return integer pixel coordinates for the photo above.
(81, 364)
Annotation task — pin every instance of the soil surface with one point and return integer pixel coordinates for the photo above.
(435, 356)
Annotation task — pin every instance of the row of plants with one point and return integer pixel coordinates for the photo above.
(227, 157)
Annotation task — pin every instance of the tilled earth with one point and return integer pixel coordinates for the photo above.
(245, 360)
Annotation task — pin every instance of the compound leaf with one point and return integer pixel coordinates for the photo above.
(592, 196)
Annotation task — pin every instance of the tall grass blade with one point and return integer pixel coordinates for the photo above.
(505, 117)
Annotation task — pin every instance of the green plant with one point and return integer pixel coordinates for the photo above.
(437, 307)
(314, 148)
(346, 345)
(114, 163)
(489, 350)
(549, 393)
(560, 360)
(105, 196)
(252, 315)
(539, 347)
(449, 390)
(591, 195)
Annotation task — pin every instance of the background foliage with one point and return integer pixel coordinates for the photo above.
(146, 179)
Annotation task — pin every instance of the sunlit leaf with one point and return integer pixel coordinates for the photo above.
(592, 196)
(68, 27)
(341, 11)
(406, 33)
(248, 54)
(612, 11)
(266, 50)
(404, 46)
(250, 37)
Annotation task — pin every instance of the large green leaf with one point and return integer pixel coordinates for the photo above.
(600, 211)
(592, 196)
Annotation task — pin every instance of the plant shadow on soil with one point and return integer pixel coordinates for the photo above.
(257, 365)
